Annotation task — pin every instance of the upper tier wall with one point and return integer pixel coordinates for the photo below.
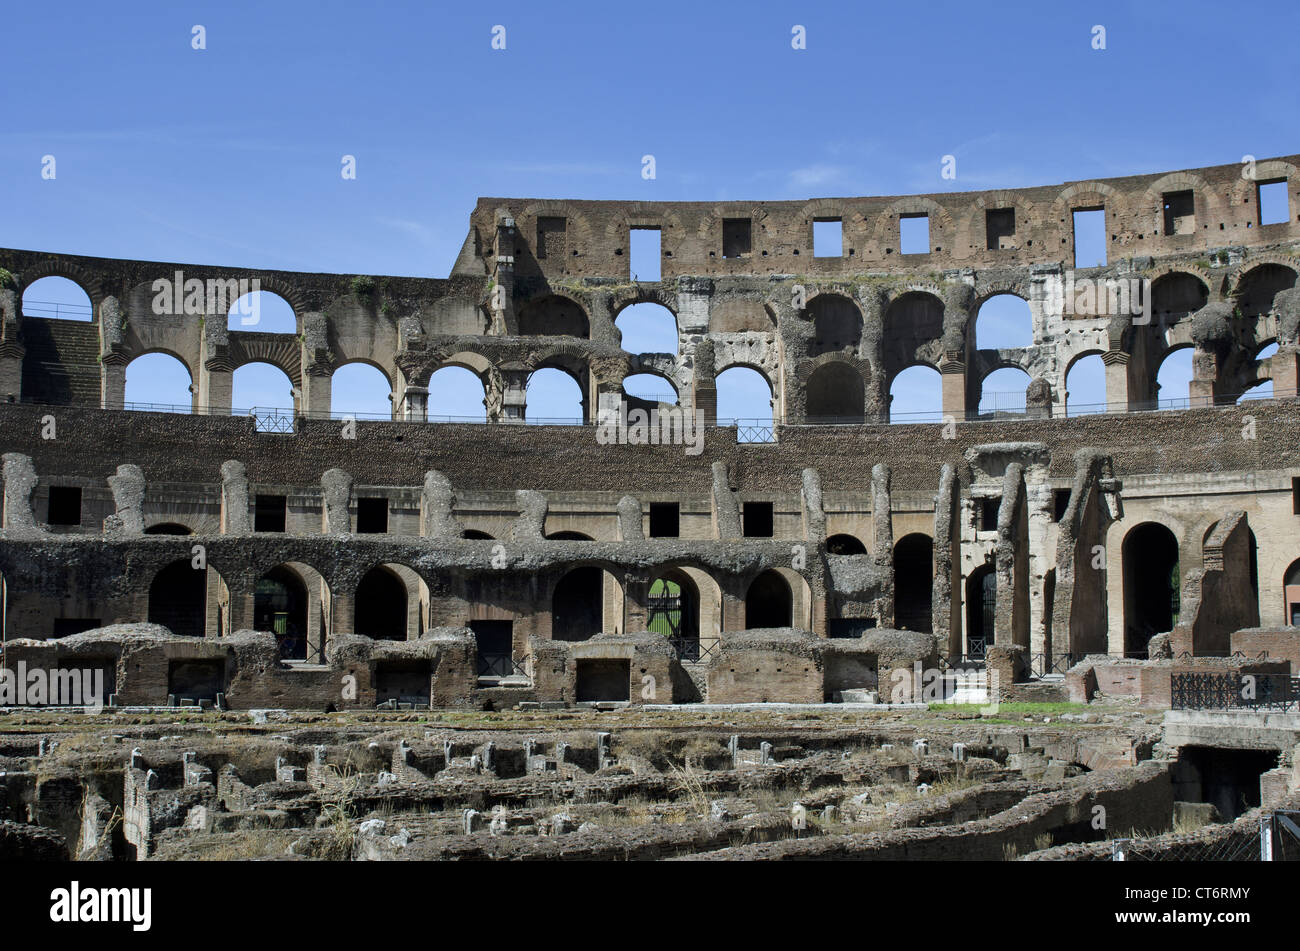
(589, 239)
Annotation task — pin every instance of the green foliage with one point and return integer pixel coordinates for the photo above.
(363, 286)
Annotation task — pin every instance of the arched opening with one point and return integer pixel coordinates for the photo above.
(845, 545)
(262, 312)
(673, 610)
(981, 610)
(360, 391)
(262, 386)
(178, 599)
(578, 604)
(457, 394)
(1085, 386)
(1003, 392)
(913, 583)
(380, 605)
(1260, 285)
(744, 397)
(158, 382)
(835, 394)
(768, 602)
(280, 606)
(1174, 379)
(1004, 322)
(554, 397)
(553, 317)
(569, 537)
(916, 396)
(648, 328)
(57, 298)
(650, 388)
(473, 534)
(1291, 594)
(1151, 585)
(1175, 296)
(1261, 389)
(168, 528)
(837, 324)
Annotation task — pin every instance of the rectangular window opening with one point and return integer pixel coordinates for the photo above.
(1060, 501)
(1295, 496)
(1180, 212)
(1089, 237)
(1000, 225)
(665, 520)
(1274, 207)
(736, 237)
(989, 514)
(269, 513)
(645, 254)
(914, 234)
(372, 516)
(65, 505)
(828, 238)
(758, 520)
(551, 238)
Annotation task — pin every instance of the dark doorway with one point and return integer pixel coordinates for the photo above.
(178, 599)
(913, 583)
(981, 610)
(495, 640)
(673, 610)
(1228, 778)
(1151, 585)
(578, 605)
(280, 606)
(845, 545)
(768, 602)
(603, 680)
(381, 606)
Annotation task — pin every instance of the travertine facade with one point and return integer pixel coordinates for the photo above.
(1083, 525)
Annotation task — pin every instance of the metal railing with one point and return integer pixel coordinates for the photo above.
(691, 649)
(1234, 691)
(47, 308)
(499, 665)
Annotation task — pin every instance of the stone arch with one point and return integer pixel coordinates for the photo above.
(769, 601)
(134, 389)
(554, 316)
(243, 315)
(993, 336)
(981, 610)
(1086, 396)
(380, 605)
(660, 326)
(1291, 594)
(1177, 293)
(1206, 203)
(941, 223)
(291, 600)
(845, 544)
(913, 331)
(578, 603)
(178, 598)
(89, 283)
(1254, 288)
(914, 582)
(249, 392)
(836, 322)
(835, 392)
(59, 286)
(974, 227)
(1150, 560)
(374, 402)
(906, 405)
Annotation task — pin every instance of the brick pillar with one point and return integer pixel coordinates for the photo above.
(953, 381)
(1205, 371)
(1284, 371)
(112, 382)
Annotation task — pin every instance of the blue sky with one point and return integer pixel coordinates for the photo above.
(232, 154)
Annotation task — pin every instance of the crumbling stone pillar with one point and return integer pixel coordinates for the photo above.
(514, 393)
(706, 385)
(726, 510)
(630, 528)
(216, 371)
(317, 366)
(882, 549)
(235, 517)
(437, 506)
(336, 490)
(814, 516)
(112, 356)
(946, 596)
(11, 349)
(128, 498)
(1011, 617)
(20, 486)
(1038, 399)
(531, 523)
(1205, 371)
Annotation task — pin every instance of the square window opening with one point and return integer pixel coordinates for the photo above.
(65, 505)
(914, 234)
(645, 254)
(372, 516)
(828, 238)
(1089, 237)
(1274, 207)
(1000, 225)
(758, 519)
(737, 234)
(665, 520)
(269, 513)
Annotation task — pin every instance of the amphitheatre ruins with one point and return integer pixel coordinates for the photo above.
(827, 634)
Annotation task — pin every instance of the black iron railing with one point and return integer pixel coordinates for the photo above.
(499, 665)
(1234, 691)
(690, 648)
